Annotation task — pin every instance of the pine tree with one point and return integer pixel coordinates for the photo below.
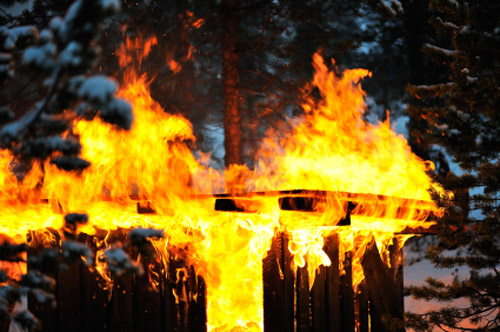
(60, 58)
(464, 124)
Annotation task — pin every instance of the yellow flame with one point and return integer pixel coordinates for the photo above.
(330, 148)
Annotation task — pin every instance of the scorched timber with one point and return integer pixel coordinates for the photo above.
(354, 204)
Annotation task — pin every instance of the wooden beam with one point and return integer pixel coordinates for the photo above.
(367, 205)
(347, 296)
(385, 303)
(302, 314)
(273, 285)
(334, 315)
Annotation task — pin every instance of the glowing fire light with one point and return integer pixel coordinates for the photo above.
(330, 148)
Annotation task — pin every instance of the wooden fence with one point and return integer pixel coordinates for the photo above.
(289, 305)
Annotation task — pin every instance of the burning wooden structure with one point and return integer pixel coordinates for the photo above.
(176, 299)
(319, 259)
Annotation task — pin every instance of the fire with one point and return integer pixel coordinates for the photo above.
(330, 148)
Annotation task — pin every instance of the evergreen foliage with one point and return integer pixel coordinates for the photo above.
(464, 123)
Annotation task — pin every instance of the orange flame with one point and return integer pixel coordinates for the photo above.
(330, 148)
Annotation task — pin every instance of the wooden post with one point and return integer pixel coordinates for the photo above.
(273, 286)
(319, 301)
(197, 303)
(302, 303)
(363, 309)
(279, 284)
(347, 296)
(49, 319)
(334, 317)
(386, 310)
(147, 301)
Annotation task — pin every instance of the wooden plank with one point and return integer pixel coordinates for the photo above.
(396, 259)
(273, 285)
(333, 285)
(363, 309)
(180, 286)
(95, 305)
(169, 301)
(48, 317)
(182, 298)
(319, 301)
(69, 298)
(197, 303)
(122, 303)
(302, 314)
(95, 315)
(288, 284)
(384, 306)
(371, 205)
(146, 304)
(347, 296)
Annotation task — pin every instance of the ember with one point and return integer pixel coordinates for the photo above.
(342, 179)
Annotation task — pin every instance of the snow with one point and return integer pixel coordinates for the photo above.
(27, 320)
(8, 295)
(471, 80)
(76, 250)
(400, 125)
(5, 57)
(55, 23)
(43, 297)
(12, 131)
(35, 279)
(97, 89)
(76, 218)
(119, 262)
(41, 56)
(52, 143)
(110, 5)
(440, 50)
(392, 7)
(65, 26)
(447, 24)
(118, 112)
(140, 235)
(70, 163)
(69, 57)
(14, 34)
(46, 36)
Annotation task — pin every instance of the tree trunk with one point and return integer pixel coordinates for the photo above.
(231, 83)
(416, 17)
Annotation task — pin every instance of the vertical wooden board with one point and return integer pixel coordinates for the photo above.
(146, 305)
(347, 296)
(332, 285)
(122, 315)
(94, 310)
(363, 309)
(182, 297)
(302, 314)
(396, 258)
(383, 294)
(273, 285)
(289, 284)
(176, 294)
(375, 318)
(318, 301)
(48, 317)
(69, 298)
(198, 304)
(168, 301)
